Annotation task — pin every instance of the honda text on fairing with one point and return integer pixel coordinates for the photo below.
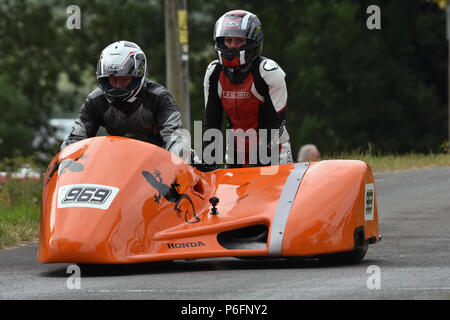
(108, 200)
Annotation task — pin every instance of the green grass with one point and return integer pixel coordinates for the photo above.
(390, 163)
(20, 200)
(19, 211)
(20, 223)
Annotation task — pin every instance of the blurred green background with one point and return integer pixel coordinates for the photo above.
(350, 88)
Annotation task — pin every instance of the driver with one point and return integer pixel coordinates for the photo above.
(127, 104)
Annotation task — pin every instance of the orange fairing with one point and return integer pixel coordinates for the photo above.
(118, 200)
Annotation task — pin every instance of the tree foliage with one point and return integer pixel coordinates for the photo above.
(349, 87)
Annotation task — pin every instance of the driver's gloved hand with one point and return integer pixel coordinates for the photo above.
(205, 167)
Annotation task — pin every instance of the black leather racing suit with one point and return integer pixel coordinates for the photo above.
(154, 117)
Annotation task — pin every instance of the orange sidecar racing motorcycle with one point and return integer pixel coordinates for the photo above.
(109, 200)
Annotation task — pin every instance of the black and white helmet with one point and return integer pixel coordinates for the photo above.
(238, 23)
(122, 58)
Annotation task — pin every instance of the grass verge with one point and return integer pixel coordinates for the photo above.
(20, 223)
(19, 211)
(391, 163)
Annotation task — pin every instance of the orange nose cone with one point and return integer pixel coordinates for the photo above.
(75, 235)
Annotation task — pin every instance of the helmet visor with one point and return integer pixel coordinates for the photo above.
(119, 93)
(132, 65)
(109, 84)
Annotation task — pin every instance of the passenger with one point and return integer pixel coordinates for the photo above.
(251, 89)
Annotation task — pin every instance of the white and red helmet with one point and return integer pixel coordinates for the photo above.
(238, 23)
(122, 58)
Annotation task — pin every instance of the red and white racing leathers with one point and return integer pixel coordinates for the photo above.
(255, 99)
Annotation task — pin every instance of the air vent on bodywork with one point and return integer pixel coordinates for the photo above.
(252, 237)
(198, 187)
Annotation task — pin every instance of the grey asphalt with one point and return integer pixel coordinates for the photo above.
(412, 261)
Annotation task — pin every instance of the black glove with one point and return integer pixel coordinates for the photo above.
(205, 167)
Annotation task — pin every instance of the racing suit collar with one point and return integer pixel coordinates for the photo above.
(237, 75)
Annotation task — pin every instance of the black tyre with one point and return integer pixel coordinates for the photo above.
(350, 257)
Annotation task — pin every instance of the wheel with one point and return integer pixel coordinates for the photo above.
(349, 257)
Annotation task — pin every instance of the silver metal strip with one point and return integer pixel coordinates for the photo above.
(284, 207)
